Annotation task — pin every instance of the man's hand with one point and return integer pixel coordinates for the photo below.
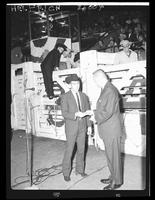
(89, 130)
(92, 118)
(91, 113)
(79, 114)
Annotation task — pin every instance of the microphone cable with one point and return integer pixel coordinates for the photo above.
(39, 175)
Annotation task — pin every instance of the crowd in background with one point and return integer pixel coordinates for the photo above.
(115, 28)
(102, 31)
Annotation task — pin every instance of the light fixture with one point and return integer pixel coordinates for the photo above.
(50, 19)
(62, 23)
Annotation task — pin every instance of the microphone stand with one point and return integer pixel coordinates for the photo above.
(29, 151)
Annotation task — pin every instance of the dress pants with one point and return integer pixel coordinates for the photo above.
(48, 80)
(113, 155)
(77, 135)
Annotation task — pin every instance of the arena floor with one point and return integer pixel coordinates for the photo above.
(48, 155)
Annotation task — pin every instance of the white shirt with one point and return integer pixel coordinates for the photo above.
(74, 93)
(122, 58)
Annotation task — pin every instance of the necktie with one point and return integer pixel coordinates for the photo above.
(79, 107)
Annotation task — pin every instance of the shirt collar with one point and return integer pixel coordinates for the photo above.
(129, 53)
(75, 92)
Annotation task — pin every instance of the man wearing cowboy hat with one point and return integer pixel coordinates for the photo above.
(48, 65)
(74, 105)
(126, 55)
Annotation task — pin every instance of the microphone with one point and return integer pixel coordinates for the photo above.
(33, 89)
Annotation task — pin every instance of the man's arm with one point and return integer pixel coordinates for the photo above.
(87, 104)
(64, 109)
(106, 111)
(57, 60)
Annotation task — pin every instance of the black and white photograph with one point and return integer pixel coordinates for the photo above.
(78, 99)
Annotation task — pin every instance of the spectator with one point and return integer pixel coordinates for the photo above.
(127, 26)
(135, 34)
(141, 48)
(72, 58)
(112, 46)
(130, 33)
(122, 36)
(126, 55)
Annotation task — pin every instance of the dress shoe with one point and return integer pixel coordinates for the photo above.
(112, 187)
(106, 181)
(67, 178)
(81, 174)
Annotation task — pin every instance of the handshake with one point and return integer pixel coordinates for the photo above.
(84, 114)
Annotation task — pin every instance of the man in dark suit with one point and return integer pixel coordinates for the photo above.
(108, 119)
(74, 105)
(48, 65)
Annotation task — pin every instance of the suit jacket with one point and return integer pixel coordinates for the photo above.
(69, 108)
(107, 113)
(51, 60)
